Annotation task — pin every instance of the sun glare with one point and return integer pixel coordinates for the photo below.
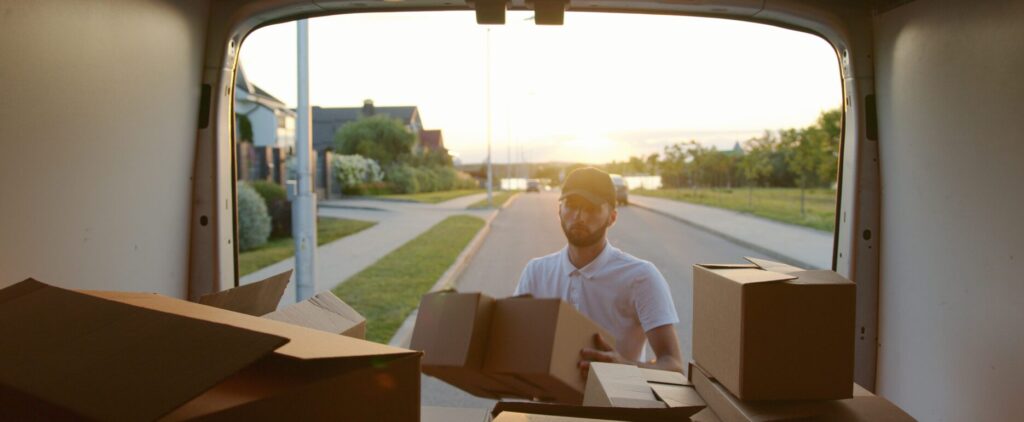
(576, 92)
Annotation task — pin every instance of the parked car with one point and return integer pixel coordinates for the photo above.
(621, 190)
(533, 185)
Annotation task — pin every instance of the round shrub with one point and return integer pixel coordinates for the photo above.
(270, 191)
(278, 207)
(253, 220)
(402, 178)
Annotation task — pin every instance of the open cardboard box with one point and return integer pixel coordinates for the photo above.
(256, 299)
(862, 407)
(518, 347)
(141, 356)
(770, 331)
(324, 311)
(627, 386)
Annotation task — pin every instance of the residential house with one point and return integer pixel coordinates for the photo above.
(272, 122)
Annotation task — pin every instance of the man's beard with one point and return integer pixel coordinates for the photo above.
(585, 239)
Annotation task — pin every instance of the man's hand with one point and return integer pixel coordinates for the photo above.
(603, 352)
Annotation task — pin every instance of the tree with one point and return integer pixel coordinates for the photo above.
(380, 138)
(652, 163)
(673, 167)
(807, 156)
(757, 162)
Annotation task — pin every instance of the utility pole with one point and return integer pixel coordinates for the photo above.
(490, 176)
(304, 200)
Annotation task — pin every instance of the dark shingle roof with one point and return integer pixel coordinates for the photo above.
(327, 121)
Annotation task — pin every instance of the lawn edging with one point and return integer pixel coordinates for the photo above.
(404, 333)
(745, 243)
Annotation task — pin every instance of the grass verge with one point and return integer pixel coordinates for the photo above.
(500, 198)
(433, 197)
(327, 230)
(779, 204)
(387, 291)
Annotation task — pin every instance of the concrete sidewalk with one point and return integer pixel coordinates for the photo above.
(796, 245)
(397, 223)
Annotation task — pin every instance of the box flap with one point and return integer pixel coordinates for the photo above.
(820, 277)
(674, 395)
(527, 417)
(753, 275)
(256, 299)
(726, 266)
(306, 343)
(452, 414)
(324, 312)
(617, 385)
(769, 265)
(664, 377)
(593, 412)
(107, 360)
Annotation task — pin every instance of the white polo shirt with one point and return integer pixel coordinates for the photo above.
(622, 293)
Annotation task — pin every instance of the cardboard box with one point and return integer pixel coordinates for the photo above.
(256, 299)
(324, 312)
(729, 408)
(452, 330)
(768, 335)
(141, 356)
(526, 417)
(617, 385)
(516, 347)
(534, 346)
(706, 415)
(596, 412)
(452, 414)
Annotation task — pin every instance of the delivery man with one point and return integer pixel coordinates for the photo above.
(623, 294)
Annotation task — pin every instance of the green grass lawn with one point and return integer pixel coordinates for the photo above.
(780, 204)
(433, 197)
(500, 198)
(387, 291)
(327, 230)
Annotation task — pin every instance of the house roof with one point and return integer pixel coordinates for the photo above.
(432, 139)
(327, 121)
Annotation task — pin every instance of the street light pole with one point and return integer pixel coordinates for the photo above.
(490, 177)
(304, 200)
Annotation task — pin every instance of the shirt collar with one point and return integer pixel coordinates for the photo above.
(590, 270)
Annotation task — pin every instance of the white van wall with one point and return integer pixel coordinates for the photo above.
(950, 84)
(98, 114)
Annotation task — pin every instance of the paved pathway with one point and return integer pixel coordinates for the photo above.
(800, 246)
(397, 223)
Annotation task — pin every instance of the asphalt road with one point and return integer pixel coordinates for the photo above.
(529, 228)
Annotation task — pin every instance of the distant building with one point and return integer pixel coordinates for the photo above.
(736, 151)
(431, 140)
(327, 121)
(271, 122)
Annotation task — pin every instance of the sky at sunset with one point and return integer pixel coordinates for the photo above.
(600, 88)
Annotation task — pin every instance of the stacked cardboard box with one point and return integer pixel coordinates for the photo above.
(862, 407)
(622, 392)
(141, 356)
(774, 342)
(518, 347)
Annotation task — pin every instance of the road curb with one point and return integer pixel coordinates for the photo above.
(770, 253)
(404, 333)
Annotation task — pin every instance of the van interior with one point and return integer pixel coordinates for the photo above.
(928, 218)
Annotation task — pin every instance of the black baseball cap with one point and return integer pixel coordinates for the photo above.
(590, 183)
